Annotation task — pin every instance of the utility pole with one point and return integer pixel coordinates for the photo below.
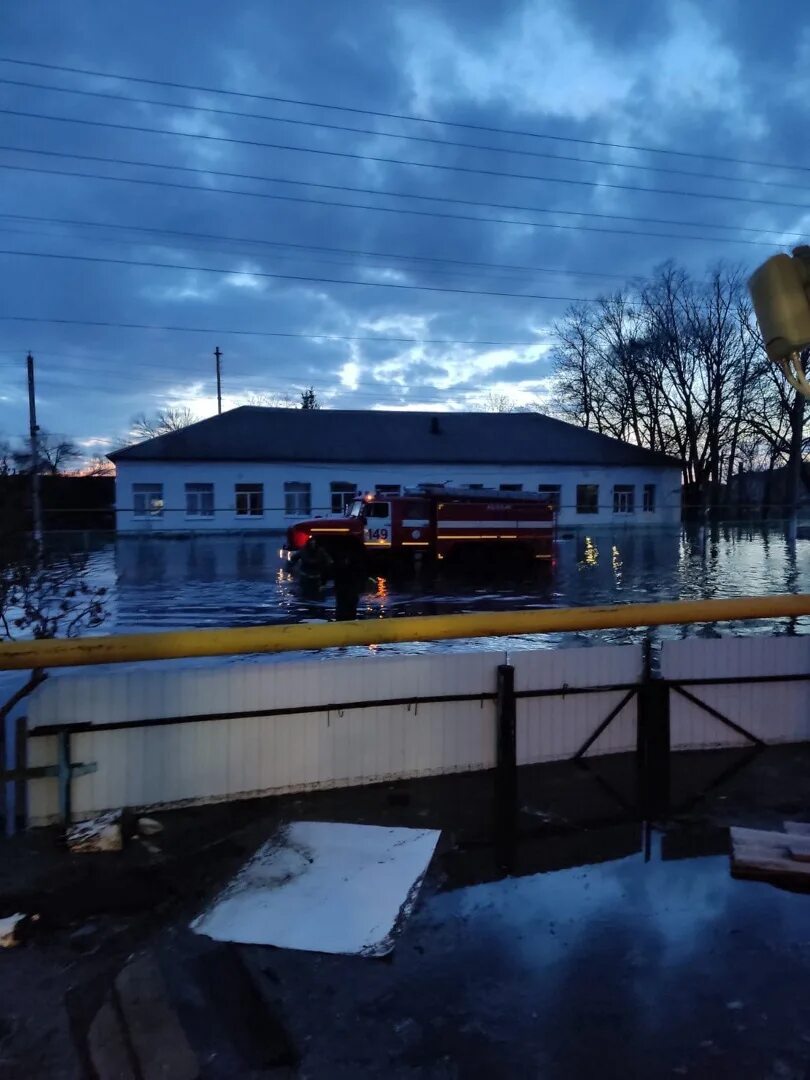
(36, 495)
(218, 357)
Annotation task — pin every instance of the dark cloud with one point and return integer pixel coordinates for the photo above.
(722, 81)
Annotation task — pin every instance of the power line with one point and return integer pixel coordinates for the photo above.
(313, 247)
(263, 333)
(136, 163)
(292, 277)
(386, 161)
(401, 116)
(298, 258)
(447, 143)
(368, 207)
(276, 383)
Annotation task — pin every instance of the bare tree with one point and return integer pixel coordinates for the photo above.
(578, 369)
(6, 458)
(499, 403)
(680, 370)
(53, 453)
(269, 400)
(172, 418)
(98, 466)
(44, 593)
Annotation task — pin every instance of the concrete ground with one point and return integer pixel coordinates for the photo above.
(610, 948)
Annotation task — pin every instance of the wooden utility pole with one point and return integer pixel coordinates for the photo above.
(36, 493)
(218, 357)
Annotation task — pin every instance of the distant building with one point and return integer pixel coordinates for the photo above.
(257, 468)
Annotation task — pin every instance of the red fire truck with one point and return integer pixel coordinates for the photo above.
(437, 521)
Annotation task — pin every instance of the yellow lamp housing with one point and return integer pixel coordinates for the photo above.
(780, 292)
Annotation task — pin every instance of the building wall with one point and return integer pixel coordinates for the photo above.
(224, 476)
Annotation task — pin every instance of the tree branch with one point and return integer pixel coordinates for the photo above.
(36, 677)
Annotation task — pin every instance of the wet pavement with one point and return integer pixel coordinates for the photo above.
(611, 947)
(624, 969)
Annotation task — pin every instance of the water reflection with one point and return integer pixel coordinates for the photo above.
(221, 580)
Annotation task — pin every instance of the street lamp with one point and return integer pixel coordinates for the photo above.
(780, 293)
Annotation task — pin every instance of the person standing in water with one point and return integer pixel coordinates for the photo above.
(350, 581)
(314, 568)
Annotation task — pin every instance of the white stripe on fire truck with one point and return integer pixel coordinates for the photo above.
(442, 524)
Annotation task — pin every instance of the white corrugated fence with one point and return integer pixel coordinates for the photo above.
(243, 755)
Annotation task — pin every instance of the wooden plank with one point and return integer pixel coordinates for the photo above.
(799, 828)
(159, 1042)
(762, 853)
(798, 847)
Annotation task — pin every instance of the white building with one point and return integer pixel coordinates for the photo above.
(262, 469)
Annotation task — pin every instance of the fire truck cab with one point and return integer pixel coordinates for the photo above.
(436, 521)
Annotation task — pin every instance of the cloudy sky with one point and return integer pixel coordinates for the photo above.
(562, 148)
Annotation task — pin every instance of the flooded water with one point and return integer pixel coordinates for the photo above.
(162, 584)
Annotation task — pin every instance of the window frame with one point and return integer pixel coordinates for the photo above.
(150, 509)
(515, 489)
(554, 491)
(199, 490)
(582, 507)
(344, 489)
(293, 489)
(624, 498)
(249, 490)
(648, 498)
(388, 491)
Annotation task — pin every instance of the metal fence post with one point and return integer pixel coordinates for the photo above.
(653, 741)
(506, 777)
(64, 776)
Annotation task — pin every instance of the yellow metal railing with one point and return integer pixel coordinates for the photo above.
(182, 644)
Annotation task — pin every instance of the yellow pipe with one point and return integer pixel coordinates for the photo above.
(233, 641)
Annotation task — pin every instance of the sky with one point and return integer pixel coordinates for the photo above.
(287, 222)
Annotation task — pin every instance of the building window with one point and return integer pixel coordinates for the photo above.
(624, 499)
(249, 500)
(147, 500)
(510, 487)
(649, 499)
(388, 489)
(199, 500)
(297, 499)
(552, 493)
(587, 498)
(473, 487)
(340, 494)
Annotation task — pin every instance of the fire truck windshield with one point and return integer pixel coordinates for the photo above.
(356, 508)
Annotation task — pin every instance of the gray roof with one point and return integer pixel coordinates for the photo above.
(252, 433)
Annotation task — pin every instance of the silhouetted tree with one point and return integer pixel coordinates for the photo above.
(54, 454)
(678, 366)
(98, 466)
(6, 458)
(44, 593)
(173, 418)
(270, 400)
